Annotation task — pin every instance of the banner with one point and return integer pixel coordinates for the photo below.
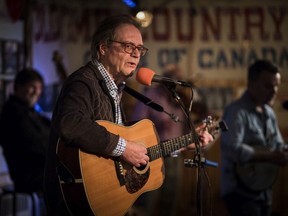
(211, 40)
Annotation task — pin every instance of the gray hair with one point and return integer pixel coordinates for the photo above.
(106, 31)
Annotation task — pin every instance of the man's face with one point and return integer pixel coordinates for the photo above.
(30, 92)
(265, 88)
(117, 62)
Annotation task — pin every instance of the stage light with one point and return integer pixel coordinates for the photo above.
(144, 18)
(130, 3)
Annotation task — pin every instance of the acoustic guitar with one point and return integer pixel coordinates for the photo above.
(257, 176)
(94, 185)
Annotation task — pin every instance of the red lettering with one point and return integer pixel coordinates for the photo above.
(69, 24)
(278, 19)
(39, 22)
(161, 19)
(209, 25)
(54, 24)
(179, 13)
(258, 14)
(98, 15)
(73, 14)
(232, 13)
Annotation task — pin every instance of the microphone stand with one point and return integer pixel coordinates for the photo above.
(198, 160)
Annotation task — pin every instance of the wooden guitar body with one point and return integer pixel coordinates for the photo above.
(107, 193)
(93, 185)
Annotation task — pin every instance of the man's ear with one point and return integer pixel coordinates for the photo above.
(102, 49)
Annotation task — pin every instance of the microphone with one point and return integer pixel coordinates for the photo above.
(194, 163)
(146, 76)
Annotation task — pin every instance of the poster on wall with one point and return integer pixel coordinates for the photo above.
(213, 43)
(10, 56)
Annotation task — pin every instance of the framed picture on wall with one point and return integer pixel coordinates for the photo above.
(10, 63)
(10, 57)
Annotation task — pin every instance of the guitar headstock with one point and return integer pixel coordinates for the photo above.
(60, 69)
(214, 126)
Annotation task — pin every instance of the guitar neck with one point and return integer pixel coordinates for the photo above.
(165, 148)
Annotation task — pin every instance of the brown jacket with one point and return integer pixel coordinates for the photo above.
(83, 99)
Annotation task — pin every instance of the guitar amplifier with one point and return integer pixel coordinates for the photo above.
(24, 205)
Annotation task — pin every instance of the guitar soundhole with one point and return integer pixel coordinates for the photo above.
(135, 179)
(142, 167)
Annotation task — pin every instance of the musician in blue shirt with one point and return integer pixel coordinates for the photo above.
(253, 148)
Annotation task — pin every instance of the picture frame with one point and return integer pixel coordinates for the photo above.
(10, 56)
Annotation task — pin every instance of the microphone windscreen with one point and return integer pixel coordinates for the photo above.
(145, 76)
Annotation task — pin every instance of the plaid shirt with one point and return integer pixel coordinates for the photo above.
(116, 94)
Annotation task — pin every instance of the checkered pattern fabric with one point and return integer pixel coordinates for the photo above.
(116, 95)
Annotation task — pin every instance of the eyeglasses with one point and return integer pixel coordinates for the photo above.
(130, 48)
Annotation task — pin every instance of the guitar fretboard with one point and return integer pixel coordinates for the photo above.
(165, 148)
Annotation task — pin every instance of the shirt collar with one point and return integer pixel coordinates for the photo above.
(111, 85)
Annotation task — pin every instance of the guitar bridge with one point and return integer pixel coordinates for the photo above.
(119, 171)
